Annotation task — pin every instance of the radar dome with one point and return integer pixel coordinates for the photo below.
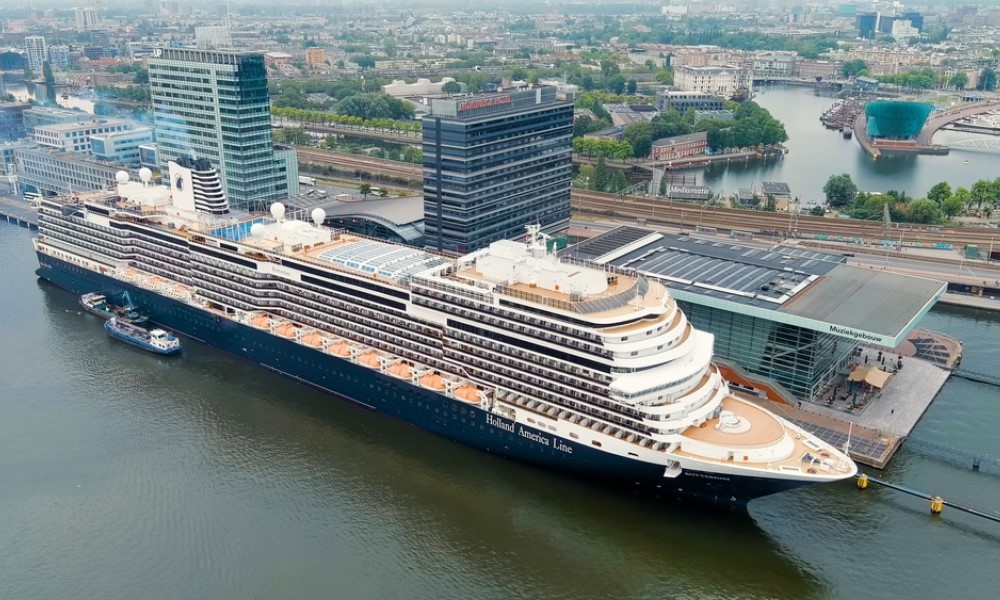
(318, 216)
(257, 229)
(145, 174)
(278, 211)
(122, 177)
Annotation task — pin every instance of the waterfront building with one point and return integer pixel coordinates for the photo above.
(493, 164)
(744, 296)
(59, 56)
(75, 137)
(680, 146)
(213, 104)
(769, 66)
(682, 101)
(61, 173)
(36, 53)
(809, 68)
(12, 121)
(41, 116)
(724, 81)
(890, 121)
(120, 147)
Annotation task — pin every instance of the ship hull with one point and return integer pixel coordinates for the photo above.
(418, 406)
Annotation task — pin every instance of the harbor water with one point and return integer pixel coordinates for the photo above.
(128, 475)
(815, 153)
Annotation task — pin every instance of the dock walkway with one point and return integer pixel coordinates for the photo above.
(18, 212)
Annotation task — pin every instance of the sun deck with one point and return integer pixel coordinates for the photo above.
(764, 428)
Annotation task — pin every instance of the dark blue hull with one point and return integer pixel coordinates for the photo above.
(418, 406)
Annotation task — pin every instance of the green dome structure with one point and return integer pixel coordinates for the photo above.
(894, 120)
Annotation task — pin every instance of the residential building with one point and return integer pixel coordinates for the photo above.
(494, 163)
(214, 36)
(723, 81)
(315, 58)
(120, 147)
(683, 101)
(213, 104)
(59, 56)
(60, 173)
(680, 146)
(12, 121)
(86, 18)
(810, 68)
(36, 53)
(75, 137)
(770, 66)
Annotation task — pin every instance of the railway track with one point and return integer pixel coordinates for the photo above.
(691, 215)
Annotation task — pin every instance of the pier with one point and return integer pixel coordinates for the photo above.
(19, 213)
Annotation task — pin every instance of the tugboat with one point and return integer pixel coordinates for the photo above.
(97, 304)
(156, 341)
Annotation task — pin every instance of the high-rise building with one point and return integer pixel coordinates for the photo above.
(493, 164)
(213, 104)
(213, 36)
(37, 53)
(86, 18)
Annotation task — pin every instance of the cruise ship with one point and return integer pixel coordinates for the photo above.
(568, 365)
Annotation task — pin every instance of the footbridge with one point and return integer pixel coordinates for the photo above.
(938, 120)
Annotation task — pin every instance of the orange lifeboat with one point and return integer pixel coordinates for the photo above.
(261, 322)
(468, 393)
(433, 381)
(370, 359)
(313, 339)
(401, 370)
(340, 349)
(287, 330)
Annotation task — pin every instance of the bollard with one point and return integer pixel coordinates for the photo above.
(937, 505)
(862, 482)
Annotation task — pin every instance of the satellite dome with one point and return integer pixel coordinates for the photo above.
(122, 177)
(145, 174)
(318, 216)
(277, 211)
(257, 230)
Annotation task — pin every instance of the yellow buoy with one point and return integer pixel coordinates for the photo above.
(862, 481)
(937, 505)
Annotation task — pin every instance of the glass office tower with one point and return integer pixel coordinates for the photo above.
(213, 104)
(493, 164)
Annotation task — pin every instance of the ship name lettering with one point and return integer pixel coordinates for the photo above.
(499, 424)
(560, 446)
(531, 435)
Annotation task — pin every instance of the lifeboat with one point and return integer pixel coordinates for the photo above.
(433, 381)
(287, 330)
(401, 370)
(313, 339)
(468, 393)
(261, 322)
(370, 359)
(339, 349)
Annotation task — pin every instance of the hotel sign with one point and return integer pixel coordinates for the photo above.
(484, 102)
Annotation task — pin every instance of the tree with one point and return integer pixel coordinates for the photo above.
(602, 175)
(365, 62)
(817, 211)
(939, 193)
(840, 190)
(853, 68)
(923, 211)
(452, 87)
(587, 175)
(953, 205)
(50, 82)
(987, 80)
(983, 193)
(365, 189)
(959, 80)
(632, 86)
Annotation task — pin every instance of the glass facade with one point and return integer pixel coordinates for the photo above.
(803, 360)
(494, 164)
(214, 104)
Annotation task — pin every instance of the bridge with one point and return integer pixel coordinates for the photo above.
(978, 143)
(940, 119)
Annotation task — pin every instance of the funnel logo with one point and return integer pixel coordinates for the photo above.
(179, 184)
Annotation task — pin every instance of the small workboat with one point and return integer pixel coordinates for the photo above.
(97, 304)
(157, 341)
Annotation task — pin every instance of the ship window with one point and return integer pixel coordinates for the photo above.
(574, 436)
(596, 443)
